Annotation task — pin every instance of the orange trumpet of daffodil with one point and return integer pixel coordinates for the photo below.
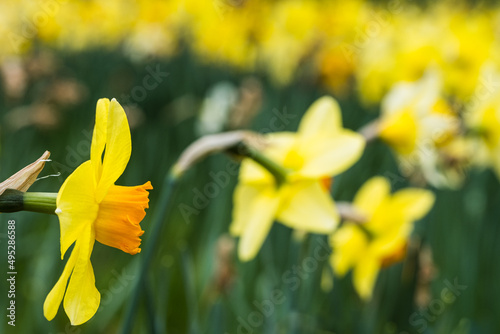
(320, 149)
(91, 207)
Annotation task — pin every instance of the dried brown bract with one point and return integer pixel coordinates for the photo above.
(23, 179)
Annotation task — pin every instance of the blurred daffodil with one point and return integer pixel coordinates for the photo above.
(319, 150)
(366, 247)
(417, 123)
(91, 207)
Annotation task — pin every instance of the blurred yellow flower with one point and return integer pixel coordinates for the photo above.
(320, 149)
(379, 45)
(417, 122)
(468, 47)
(366, 247)
(292, 31)
(91, 207)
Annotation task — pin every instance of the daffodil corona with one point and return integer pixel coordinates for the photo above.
(91, 207)
(366, 247)
(319, 150)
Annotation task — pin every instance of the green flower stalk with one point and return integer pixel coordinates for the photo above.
(13, 195)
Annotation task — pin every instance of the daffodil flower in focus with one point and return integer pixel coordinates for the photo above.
(91, 207)
(367, 247)
(319, 150)
(419, 125)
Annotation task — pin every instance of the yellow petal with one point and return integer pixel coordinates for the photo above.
(392, 241)
(331, 156)
(120, 213)
(277, 144)
(76, 205)
(55, 296)
(387, 219)
(394, 257)
(400, 131)
(99, 136)
(82, 298)
(242, 211)
(263, 209)
(349, 245)
(309, 207)
(371, 195)
(365, 276)
(117, 151)
(415, 203)
(253, 173)
(322, 119)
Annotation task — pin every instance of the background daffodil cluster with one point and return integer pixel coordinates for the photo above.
(382, 116)
(377, 44)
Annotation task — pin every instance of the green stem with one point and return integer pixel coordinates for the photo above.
(40, 202)
(279, 172)
(12, 200)
(369, 234)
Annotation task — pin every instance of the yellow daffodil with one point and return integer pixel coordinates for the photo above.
(417, 123)
(91, 207)
(320, 149)
(366, 247)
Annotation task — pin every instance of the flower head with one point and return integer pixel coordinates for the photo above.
(91, 207)
(319, 150)
(367, 247)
